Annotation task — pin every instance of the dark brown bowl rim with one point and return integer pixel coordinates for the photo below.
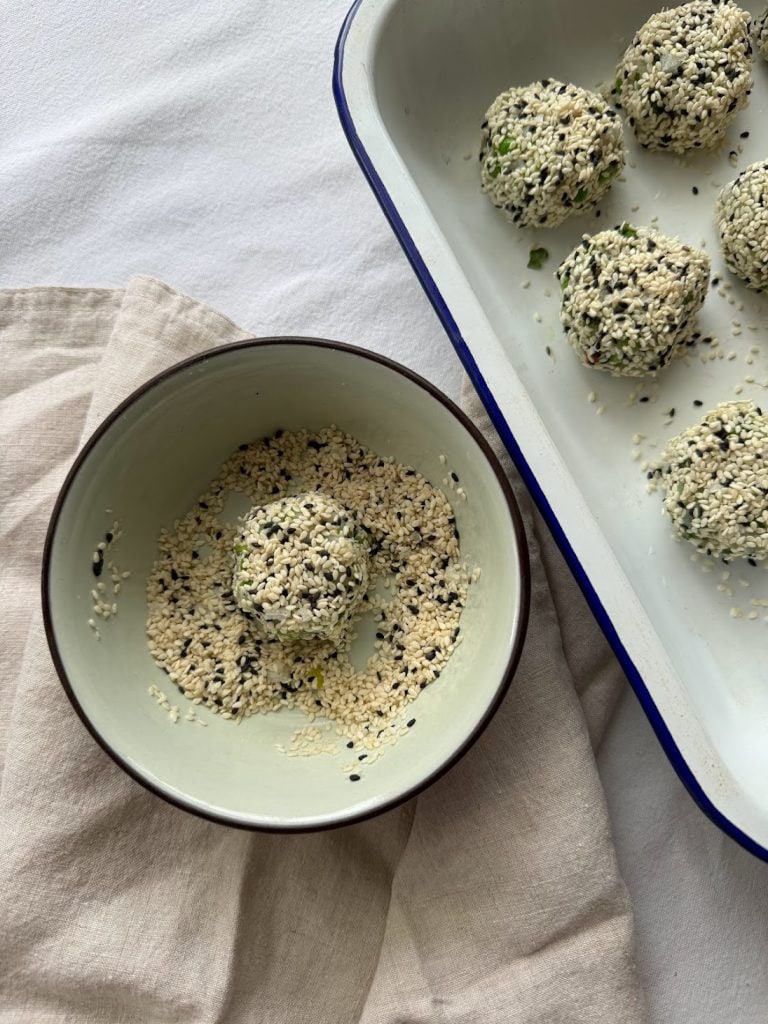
(520, 540)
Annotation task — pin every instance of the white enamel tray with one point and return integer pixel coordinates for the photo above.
(412, 81)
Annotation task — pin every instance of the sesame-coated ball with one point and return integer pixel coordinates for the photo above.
(742, 219)
(549, 150)
(685, 75)
(630, 297)
(715, 481)
(301, 567)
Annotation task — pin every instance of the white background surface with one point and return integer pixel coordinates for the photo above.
(199, 142)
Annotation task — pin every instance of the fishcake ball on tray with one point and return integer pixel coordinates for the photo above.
(715, 481)
(301, 567)
(686, 74)
(742, 220)
(761, 34)
(549, 150)
(629, 299)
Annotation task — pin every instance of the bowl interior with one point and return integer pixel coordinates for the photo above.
(146, 468)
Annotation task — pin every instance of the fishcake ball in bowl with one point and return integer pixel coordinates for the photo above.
(301, 567)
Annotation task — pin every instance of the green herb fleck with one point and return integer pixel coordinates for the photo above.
(608, 173)
(537, 258)
(580, 196)
(627, 230)
(565, 282)
(319, 676)
(504, 146)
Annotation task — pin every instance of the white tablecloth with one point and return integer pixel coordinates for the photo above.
(199, 142)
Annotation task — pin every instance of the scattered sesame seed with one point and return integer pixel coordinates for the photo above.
(196, 627)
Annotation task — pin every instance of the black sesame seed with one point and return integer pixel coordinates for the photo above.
(411, 723)
(354, 778)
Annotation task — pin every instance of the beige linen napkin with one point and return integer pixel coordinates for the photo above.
(493, 897)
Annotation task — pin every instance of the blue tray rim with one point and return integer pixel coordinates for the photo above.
(464, 353)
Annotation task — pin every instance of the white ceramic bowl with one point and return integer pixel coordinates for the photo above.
(148, 462)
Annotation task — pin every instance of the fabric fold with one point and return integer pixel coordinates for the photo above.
(495, 896)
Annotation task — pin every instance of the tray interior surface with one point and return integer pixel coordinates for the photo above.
(438, 65)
